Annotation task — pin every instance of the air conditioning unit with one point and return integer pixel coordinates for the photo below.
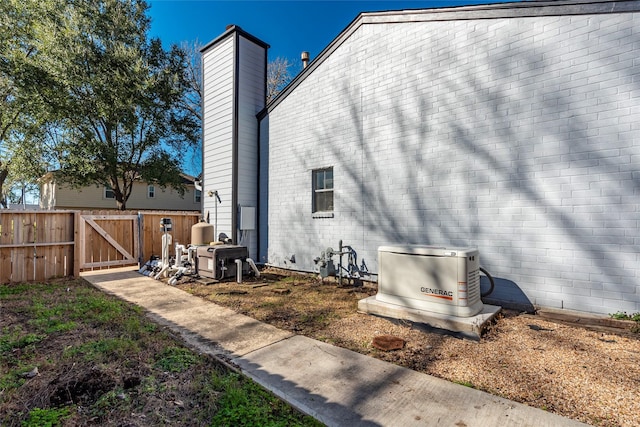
(218, 262)
(438, 279)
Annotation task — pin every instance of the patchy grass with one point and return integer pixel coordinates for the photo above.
(71, 355)
(299, 303)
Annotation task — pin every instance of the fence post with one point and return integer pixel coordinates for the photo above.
(76, 244)
(141, 254)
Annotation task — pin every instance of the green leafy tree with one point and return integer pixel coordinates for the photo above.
(22, 117)
(116, 93)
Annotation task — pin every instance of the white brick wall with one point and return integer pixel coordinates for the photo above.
(519, 136)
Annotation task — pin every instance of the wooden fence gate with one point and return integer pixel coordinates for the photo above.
(108, 240)
(39, 245)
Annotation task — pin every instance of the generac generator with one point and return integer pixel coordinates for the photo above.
(431, 278)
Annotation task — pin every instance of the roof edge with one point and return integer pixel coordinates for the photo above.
(232, 29)
(487, 11)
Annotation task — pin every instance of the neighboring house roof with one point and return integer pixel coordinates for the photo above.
(50, 176)
(188, 179)
(490, 11)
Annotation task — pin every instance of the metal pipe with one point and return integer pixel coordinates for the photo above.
(340, 262)
(253, 267)
(190, 255)
(239, 270)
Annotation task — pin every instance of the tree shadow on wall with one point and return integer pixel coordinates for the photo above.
(518, 172)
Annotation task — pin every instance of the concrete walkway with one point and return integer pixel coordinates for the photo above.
(336, 386)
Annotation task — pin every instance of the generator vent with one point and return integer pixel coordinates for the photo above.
(473, 286)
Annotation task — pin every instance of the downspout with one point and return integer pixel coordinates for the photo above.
(258, 210)
(202, 178)
(234, 142)
(259, 149)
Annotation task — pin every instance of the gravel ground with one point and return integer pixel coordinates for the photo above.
(588, 375)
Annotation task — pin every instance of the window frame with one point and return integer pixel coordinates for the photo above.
(316, 210)
(105, 193)
(151, 191)
(197, 196)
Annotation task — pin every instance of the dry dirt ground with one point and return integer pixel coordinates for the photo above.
(589, 375)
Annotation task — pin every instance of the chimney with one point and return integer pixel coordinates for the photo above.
(305, 59)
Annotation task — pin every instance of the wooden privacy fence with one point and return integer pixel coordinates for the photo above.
(36, 245)
(39, 245)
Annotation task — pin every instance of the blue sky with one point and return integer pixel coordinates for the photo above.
(289, 27)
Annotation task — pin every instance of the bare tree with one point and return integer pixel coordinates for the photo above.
(278, 76)
(191, 101)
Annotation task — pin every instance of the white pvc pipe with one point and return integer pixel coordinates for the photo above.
(239, 270)
(166, 242)
(163, 271)
(253, 267)
(179, 250)
(179, 273)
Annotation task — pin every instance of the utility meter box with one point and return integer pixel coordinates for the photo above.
(247, 218)
(219, 261)
(432, 278)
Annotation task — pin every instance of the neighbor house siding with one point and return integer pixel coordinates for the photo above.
(516, 135)
(218, 95)
(92, 197)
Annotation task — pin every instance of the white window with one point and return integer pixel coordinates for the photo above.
(197, 196)
(151, 191)
(323, 190)
(108, 192)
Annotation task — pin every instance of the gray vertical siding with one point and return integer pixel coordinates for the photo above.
(234, 92)
(251, 99)
(218, 95)
(517, 135)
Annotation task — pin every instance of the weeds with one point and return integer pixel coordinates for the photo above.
(12, 338)
(46, 417)
(176, 359)
(101, 361)
(465, 383)
(244, 403)
(622, 315)
(103, 350)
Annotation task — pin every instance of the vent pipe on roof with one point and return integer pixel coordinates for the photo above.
(305, 59)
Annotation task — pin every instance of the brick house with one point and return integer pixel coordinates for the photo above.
(513, 128)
